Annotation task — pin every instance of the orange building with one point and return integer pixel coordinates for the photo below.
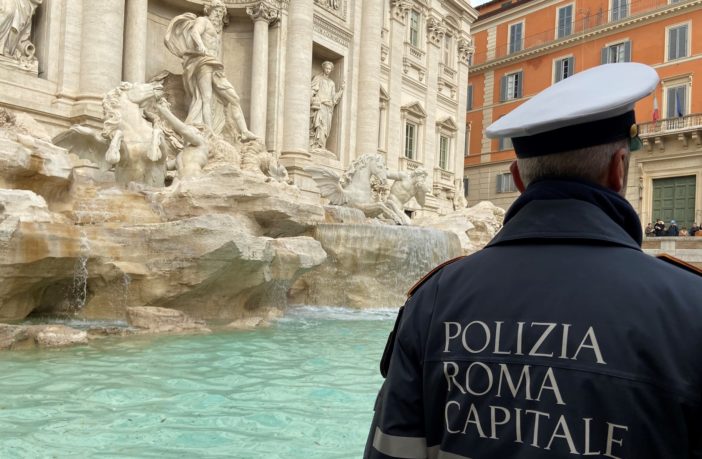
(523, 46)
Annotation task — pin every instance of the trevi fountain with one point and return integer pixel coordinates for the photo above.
(210, 213)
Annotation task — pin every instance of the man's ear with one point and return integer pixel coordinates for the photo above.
(514, 169)
(616, 173)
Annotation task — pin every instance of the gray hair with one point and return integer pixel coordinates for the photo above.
(590, 163)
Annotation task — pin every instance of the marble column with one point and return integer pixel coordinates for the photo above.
(367, 118)
(298, 74)
(435, 40)
(399, 10)
(136, 24)
(262, 15)
(101, 52)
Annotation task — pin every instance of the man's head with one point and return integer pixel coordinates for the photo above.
(582, 127)
(217, 12)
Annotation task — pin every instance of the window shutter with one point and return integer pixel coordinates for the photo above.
(670, 105)
(499, 183)
(682, 39)
(469, 101)
(627, 51)
(682, 99)
(503, 88)
(571, 65)
(604, 55)
(519, 84)
(558, 71)
(672, 43)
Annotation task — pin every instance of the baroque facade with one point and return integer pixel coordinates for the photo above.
(523, 47)
(402, 65)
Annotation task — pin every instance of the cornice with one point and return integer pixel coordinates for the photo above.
(606, 29)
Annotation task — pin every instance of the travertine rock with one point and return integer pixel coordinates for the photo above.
(11, 335)
(160, 320)
(475, 226)
(57, 335)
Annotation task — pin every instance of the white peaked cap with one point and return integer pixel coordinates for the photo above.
(605, 92)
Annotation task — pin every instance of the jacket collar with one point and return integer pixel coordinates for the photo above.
(569, 219)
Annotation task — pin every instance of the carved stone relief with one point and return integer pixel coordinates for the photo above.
(15, 32)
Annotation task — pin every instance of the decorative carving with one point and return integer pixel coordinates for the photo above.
(466, 49)
(133, 144)
(263, 12)
(353, 189)
(15, 30)
(324, 99)
(197, 40)
(329, 4)
(435, 31)
(327, 29)
(400, 8)
(407, 185)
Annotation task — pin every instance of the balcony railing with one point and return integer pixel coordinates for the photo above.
(666, 126)
(589, 20)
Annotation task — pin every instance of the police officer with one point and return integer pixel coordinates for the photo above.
(558, 339)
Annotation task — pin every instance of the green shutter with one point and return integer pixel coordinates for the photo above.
(503, 88)
(604, 55)
(519, 84)
(627, 51)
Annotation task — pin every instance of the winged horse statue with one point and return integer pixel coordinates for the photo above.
(131, 139)
(353, 188)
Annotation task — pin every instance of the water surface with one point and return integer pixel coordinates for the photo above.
(303, 388)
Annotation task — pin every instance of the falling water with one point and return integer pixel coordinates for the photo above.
(79, 287)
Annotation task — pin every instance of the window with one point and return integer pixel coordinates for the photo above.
(414, 28)
(505, 143)
(410, 140)
(516, 37)
(443, 152)
(447, 50)
(676, 101)
(565, 21)
(563, 68)
(511, 86)
(618, 52)
(620, 9)
(469, 97)
(505, 184)
(677, 42)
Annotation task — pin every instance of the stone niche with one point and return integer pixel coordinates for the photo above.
(338, 75)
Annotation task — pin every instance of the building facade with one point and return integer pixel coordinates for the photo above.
(524, 46)
(402, 65)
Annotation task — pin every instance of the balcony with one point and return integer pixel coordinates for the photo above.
(686, 129)
(408, 165)
(590, 21)
(443, 180)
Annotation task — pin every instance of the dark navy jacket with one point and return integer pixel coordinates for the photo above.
(560, 339)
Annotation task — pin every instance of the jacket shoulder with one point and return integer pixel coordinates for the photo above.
(680, 263)
(430, 274)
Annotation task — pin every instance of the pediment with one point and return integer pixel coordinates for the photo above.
(447, 124)
(415, 109)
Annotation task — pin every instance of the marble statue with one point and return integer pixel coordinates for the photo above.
(255, 158)
(407, 185)
(197, 40)
(130, 142)
(15, 30)
(324, 99)
(195, 151)
(353, 189)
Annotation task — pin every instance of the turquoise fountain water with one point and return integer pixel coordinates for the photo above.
(303, 388)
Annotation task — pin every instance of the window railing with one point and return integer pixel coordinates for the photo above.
(586, 20)
(671, 125)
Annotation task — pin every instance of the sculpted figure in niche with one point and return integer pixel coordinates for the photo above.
(16, 27)
(198, 40)
(324, 99)
(407, 186)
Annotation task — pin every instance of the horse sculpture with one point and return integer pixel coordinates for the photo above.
(131, 139)
(353, 189)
